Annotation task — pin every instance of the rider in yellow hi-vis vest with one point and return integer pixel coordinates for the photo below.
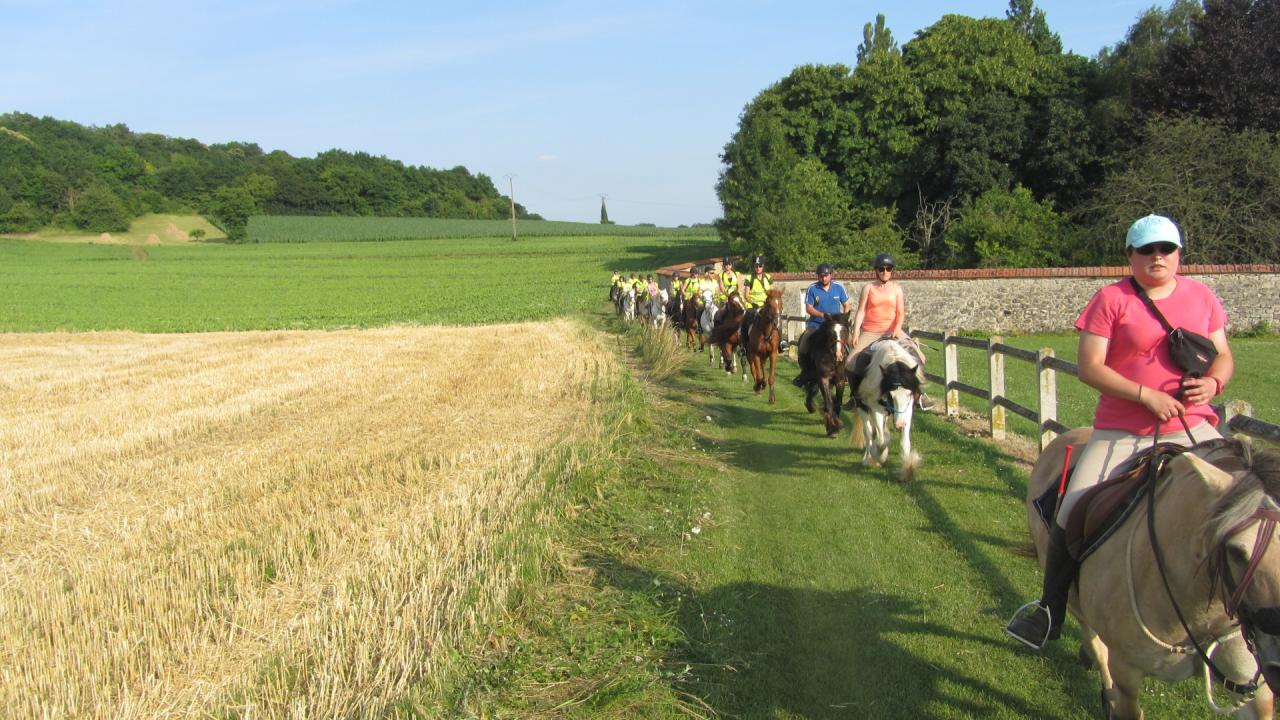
(690, 286)
(726, 283)
(755, 290)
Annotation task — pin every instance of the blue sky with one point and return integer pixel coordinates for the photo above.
(574, 100)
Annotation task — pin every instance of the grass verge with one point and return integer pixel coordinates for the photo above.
(589, 636)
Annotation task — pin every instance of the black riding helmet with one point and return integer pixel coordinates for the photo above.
(824, 268)
(882, 260)
(727, 260)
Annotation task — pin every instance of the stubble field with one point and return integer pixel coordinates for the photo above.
(269, 524)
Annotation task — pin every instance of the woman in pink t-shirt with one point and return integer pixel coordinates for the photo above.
(1124, 354)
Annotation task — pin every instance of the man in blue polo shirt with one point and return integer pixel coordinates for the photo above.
(824, 297)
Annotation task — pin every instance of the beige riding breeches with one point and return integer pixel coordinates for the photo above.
(1107, 449)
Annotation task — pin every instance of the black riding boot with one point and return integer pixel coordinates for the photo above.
(1036, 623)
(806, 373)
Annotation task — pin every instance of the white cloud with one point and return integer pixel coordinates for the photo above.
(546, 158)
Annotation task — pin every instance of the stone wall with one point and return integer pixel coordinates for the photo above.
(1015, 301)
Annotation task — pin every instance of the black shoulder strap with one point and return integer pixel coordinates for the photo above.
(1150, 305)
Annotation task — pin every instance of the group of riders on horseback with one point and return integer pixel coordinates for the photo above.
(1154, 345)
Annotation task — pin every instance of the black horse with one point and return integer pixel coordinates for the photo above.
(824, 364)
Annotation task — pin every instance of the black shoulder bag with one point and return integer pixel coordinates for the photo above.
(1192, 352)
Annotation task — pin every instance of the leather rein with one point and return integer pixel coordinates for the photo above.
(1232, 605)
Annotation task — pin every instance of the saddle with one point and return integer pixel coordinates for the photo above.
(1105, 507)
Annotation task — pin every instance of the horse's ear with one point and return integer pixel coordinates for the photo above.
(1211, 476)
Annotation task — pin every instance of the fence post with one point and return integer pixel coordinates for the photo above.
(995, 363)
(1232, 409)
(950, 374)
(1048, 382)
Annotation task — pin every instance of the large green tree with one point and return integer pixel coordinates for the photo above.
(1220, 185)
(1228, 70)
(802, 217)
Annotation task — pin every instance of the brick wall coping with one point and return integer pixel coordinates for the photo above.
(1100, 271)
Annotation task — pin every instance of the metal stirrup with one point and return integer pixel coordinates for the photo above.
(1018, 613)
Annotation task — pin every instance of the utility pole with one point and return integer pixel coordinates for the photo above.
(511, 195)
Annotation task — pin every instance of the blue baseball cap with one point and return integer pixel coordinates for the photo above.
(1152, 229)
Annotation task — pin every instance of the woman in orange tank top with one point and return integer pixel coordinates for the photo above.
(880, 307)
(881, 312)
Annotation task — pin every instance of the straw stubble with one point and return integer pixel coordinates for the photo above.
(266, 524)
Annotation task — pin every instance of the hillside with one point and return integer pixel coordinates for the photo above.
(97, 179)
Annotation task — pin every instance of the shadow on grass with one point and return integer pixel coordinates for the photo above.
(758, 650)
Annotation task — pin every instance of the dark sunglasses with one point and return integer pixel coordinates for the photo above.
(1164, 248)
(885, 268)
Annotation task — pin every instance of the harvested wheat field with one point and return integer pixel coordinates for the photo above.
(278, 524)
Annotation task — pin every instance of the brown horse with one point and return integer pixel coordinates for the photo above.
(692, 313)
(1158, 587)
(725, 334)
(764, 339)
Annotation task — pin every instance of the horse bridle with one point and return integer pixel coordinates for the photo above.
(1234, 604)
(1251, 619)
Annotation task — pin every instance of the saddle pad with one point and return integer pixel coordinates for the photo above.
(1104, 507)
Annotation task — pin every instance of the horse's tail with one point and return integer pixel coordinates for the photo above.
(859, 438)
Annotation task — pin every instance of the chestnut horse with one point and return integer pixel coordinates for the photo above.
(692, 315)
(728, 327)
(764, 339)
(1190, 566)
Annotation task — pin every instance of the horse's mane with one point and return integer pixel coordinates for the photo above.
(1255, 484)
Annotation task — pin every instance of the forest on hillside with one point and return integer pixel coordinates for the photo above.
(56, 172)
(980, 143)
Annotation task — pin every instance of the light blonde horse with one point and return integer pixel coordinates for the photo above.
(1210, 525)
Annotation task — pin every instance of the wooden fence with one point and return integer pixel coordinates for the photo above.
(1237, 414)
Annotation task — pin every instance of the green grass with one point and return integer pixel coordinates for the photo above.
(812, 587)
(204, 287)
(293, 229)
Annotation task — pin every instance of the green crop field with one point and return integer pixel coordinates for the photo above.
(204, 287)
(294, 229)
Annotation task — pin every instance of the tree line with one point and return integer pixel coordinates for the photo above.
(56, 172)
(980, 143)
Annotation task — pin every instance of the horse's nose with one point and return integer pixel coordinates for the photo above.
(899, 424)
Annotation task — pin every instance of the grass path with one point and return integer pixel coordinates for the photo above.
(826, 589)
(725, 559)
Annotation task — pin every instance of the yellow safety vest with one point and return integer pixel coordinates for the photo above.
(757, 290)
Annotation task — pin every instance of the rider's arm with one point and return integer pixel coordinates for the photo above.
(1094, 372)
(899, 311)
(810, 309)
(861, 315)
(1199, 391)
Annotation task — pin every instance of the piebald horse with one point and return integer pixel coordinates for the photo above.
(627, 302)
(1215, 509)
(887, 391)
